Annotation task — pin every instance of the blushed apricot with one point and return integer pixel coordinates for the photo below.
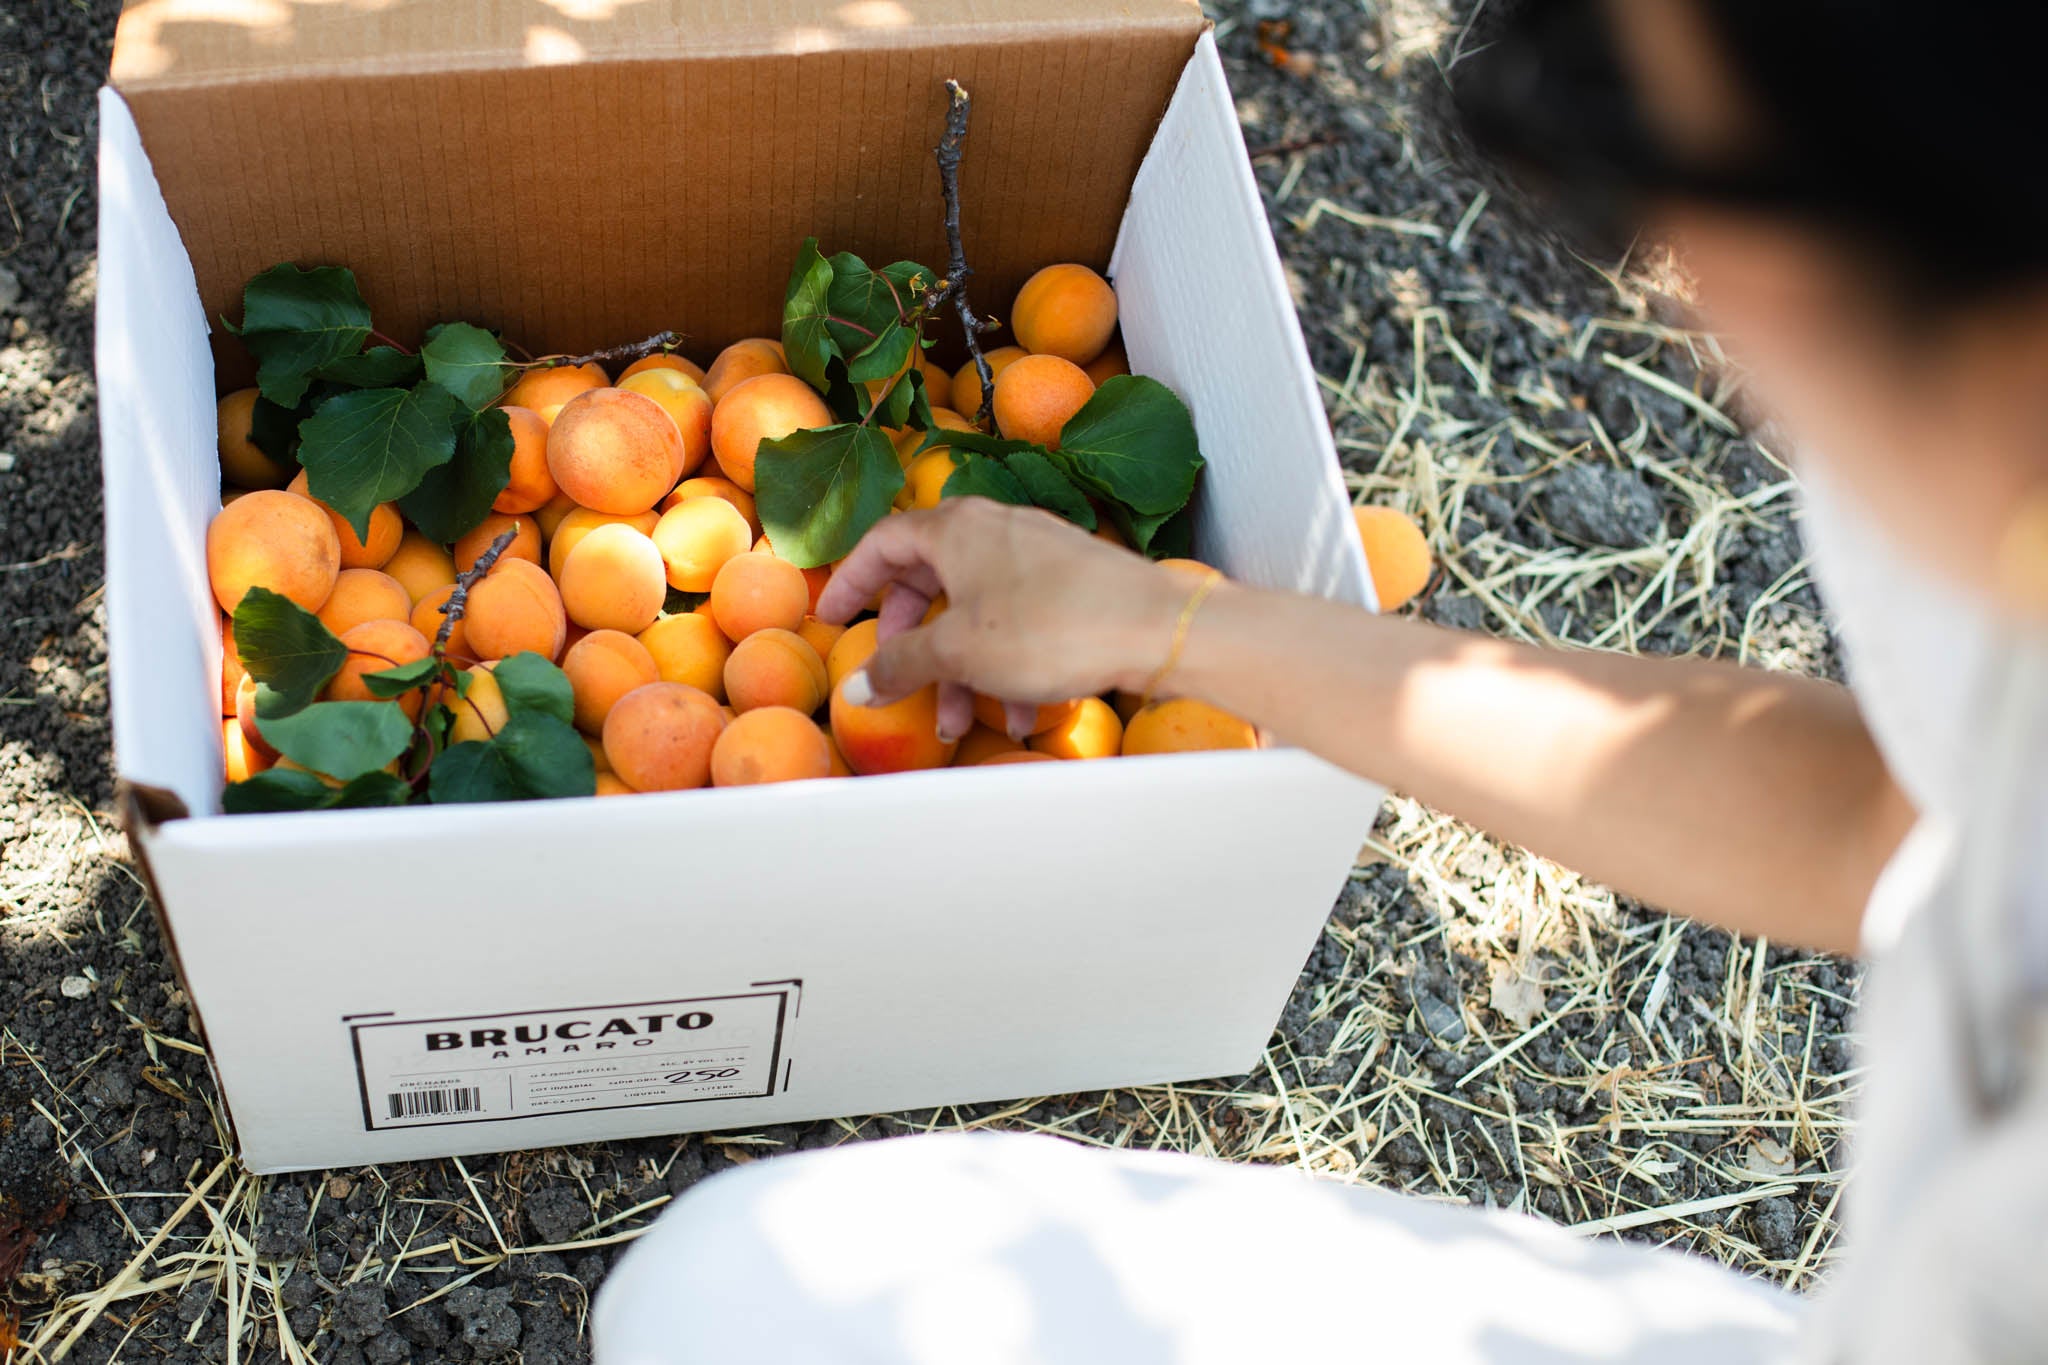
(756, 591)
(967, 379)
(231, 670)
(819, 635)
(364, 595)
(688, 369)
(242, 462)
(1067, 311)
(774, 668)
(1020, 756)
(530, 485)
(660, 735)
(427, 617)
(543, 391)
(766, 408)
(741, 361)
(360, 552)
(420, 565)
(610, 784)
(716, 486)
(613, 580)
(900, 737)
(853, 648)
(770, 744)
(1090, 730)
(580, 522)
(938, 384)
(602, 667)
(552, 513)
(481, 713)
(243, 762)
(373, 647)
(525, 540)
(982, 743)
(696, 538)
(1184, 725)
(513, 609)
(1397, 553)
(687, 405)
(245, 717)
(1111, 363)
(1037, 396)
(276, 540)
(689, 649)
(989, 712)
(615, 451)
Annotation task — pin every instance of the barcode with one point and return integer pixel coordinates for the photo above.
(413, 1104)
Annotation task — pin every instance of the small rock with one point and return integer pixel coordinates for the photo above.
(281, 1231)
(75, 987)
(1441, 1019)
(338, 1187)
(386, 1348)
(1601, 505)
(360, 1310)
(1775, 1224)
(489, 1325)
(556, 1213)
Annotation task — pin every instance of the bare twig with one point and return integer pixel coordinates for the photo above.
(458, 601)
(638, 350)
(953, 288)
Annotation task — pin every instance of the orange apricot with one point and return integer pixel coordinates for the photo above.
(615, 451)
(610, 784)
(580, 522)
(1067, 311)
(1111, 363)
(242, 462)
(427, 617)
(852, 649)
(1396, 552)
(360, 552)
(421, 565)
(243, 761)
(982, 743)
(1020, 756)
(373, 647)
(1037, 396)
(513, 609)
(364, 595)
(689, 649)
(989, 712)
(715, 486)
(231, 670)
(543, 391)
(602, 667)
(614, 580)
(770, 744)
(767, 407)
(815, 578)
(756, 591)
(479, 714)
(660, 735)
(925, 480)
(819, 635)
(687, 405)
(967, 380)
(696, 538)
(938, 384)
(525, 540)
(598, 760)
(276, 540)
(1183, 725)
(552, 513)
(900, 737)
(1090, 730)
(667, 360)
(774, 668)
(530, 485)
(245, 716)
(839, 768)
(741, 361)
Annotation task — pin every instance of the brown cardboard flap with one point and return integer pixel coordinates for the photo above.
(583, 205)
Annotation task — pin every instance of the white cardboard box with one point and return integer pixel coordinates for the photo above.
(385, 985)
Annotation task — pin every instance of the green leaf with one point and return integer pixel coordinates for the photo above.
(274, 430)
(862, 302)
(1169, 537)
(534, 757)
(394, 682)
(805, 342)
(380, 367)
(454, 498)
(343, 739)
(467, 361)
(818, 492)
(1134, 442)
(287, 649)
(533, 686)
(906, 404)
(980, 442)
(1049, 488)
(985, 476)
(374, 789)
(375, 445)
(884, 356)
(279, 789)
(295, 321)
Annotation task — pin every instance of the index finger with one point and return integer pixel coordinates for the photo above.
(893, 551)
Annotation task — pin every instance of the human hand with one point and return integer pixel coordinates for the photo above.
(1037, 610)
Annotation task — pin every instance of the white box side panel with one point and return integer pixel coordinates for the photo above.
(1062, 927)
(158, 449)
(1206, 311)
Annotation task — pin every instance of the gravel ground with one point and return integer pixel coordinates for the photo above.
(1573, 469)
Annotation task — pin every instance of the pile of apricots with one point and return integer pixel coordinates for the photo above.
(625, 489)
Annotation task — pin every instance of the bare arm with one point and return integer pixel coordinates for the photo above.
(1749, 800)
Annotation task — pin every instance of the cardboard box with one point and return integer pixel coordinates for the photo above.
(383, 985)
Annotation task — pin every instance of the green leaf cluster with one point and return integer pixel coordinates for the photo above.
(369, 753)
(376, 423)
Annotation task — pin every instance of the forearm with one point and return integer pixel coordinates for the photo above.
(1749, 800)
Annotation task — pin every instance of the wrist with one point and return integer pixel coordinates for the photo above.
(1165, 616)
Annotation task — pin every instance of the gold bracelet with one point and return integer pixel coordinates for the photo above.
(1181, 628)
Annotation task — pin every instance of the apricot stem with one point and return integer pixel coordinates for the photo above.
(953, 287)
(376, 335)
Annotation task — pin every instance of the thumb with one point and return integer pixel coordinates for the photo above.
(902, 665)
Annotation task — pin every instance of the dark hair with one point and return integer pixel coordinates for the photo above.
(1922, 157)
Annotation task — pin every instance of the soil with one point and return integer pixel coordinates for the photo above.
(107, 1111)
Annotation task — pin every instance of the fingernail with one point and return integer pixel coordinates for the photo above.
(857, 690)
(947, 735)
(1019, 733)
